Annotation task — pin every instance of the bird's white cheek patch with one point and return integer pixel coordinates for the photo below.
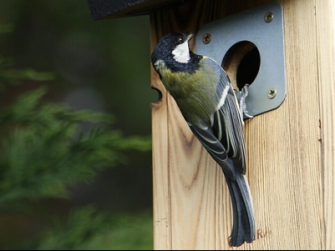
(182, 53)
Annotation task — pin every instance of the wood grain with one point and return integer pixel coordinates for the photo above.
(325, 14)
(161, 182)
(291, 150)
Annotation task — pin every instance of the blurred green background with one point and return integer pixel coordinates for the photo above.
(72, 178)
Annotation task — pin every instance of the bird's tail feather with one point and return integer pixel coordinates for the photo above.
(243, 210)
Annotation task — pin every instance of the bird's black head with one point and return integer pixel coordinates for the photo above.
(173, 50)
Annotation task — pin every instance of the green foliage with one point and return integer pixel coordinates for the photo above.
(13, 76)
(88, 230)
(28, 74)
(44, 152)
(6, 28)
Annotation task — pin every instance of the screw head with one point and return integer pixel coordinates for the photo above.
(207, 38)
(268, 18)
(272, 93)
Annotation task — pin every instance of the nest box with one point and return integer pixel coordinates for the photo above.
(286, 50)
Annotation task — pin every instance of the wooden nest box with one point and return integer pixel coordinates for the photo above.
(291, 150)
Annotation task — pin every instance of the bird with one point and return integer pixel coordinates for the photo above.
(207, 101)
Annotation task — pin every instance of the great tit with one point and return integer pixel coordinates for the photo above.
(207, 100)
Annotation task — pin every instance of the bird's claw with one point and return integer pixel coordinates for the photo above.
(243, 106)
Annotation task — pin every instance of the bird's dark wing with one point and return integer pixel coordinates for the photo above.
(224, 139)
(214, 148)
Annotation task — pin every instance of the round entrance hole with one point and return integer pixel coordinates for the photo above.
(242, 63)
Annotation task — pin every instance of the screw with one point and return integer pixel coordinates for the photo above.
(272, 93)
(268, 17)
(207, 38)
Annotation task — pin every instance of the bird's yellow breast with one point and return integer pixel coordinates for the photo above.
(194, 92)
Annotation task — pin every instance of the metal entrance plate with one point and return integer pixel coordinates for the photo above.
(264, 27)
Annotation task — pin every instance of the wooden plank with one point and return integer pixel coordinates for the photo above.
(285, 168)
(161, 184)
(325, 13)
(290, 169)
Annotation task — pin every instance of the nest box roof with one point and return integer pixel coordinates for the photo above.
(101, 9)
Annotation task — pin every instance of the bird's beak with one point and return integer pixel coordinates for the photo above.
(189, 37)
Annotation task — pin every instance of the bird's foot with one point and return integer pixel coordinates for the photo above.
(243, 104)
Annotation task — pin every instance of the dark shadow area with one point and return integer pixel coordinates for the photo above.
(242, 63)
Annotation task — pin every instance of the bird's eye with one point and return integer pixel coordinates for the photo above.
(180, 40)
